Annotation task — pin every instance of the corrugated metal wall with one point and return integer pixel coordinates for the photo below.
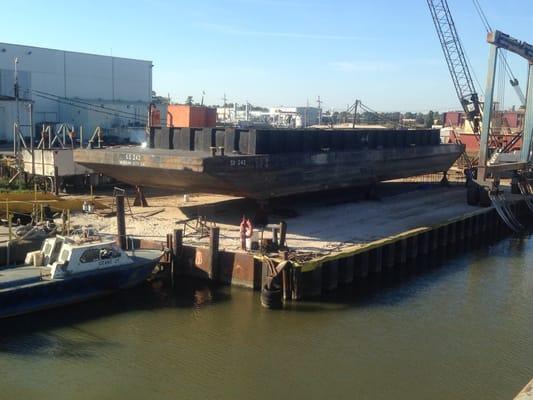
(97, 79)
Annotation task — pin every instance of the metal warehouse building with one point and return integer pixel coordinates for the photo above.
(68, 87)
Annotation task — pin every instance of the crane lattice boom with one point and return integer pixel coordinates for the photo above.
(456, 60)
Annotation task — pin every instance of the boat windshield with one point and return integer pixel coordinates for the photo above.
(55, 251)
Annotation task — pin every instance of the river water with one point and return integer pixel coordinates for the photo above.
(463, 330)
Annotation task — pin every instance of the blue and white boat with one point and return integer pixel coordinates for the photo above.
(70, 270)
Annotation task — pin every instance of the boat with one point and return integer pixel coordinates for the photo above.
(263, 164)
(69, 270)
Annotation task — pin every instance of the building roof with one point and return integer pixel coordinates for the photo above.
(68, 51)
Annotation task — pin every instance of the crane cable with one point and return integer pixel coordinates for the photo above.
(488, 28)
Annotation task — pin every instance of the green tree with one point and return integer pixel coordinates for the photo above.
(189, 101)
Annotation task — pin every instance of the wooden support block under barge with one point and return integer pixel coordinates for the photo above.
(277, 174)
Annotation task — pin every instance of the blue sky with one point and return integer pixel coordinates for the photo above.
(278, 52)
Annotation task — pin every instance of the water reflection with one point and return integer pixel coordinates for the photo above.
(428, 331)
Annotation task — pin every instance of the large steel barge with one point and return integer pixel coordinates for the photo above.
(262, 164)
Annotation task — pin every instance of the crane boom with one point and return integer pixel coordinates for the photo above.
(456, 60)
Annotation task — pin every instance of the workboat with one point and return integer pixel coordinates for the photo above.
(70, 270)
(263, 164)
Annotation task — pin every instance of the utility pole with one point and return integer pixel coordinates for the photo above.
(319, 110)
(225, 104)
(17, 121)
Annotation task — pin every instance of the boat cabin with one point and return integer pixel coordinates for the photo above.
(65, 256)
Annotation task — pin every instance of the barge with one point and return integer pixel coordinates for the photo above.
(263, 164)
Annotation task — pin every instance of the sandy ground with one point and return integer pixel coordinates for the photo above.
(317, 227)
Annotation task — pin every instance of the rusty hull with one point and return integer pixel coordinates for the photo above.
(269, 175)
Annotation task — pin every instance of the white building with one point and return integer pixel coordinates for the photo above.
(280, 117)
(294, 117)
(76, 88)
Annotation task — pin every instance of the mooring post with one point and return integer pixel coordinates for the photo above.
(213, 252)
(177, 242)
(169, 256)
(286, 275)
(121, 222)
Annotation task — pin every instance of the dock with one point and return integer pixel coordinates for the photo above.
(329, 245)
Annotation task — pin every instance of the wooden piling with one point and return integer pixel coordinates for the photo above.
(121, 222)
(213, 252)
(177, 249)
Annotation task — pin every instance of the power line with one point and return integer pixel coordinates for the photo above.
(37, 92)
(73, 104)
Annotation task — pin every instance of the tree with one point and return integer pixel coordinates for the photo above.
(189, 101)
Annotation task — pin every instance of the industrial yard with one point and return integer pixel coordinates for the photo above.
(270, 198)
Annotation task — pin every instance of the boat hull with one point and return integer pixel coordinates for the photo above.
(266, 176)
(44, 294)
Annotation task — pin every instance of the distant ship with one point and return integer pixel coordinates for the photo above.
(67, 271)
(268, 163)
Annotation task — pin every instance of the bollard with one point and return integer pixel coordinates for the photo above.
(121, 222)
(213, 253)
(177, 242)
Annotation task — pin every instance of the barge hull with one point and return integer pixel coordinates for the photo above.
(266, 176)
